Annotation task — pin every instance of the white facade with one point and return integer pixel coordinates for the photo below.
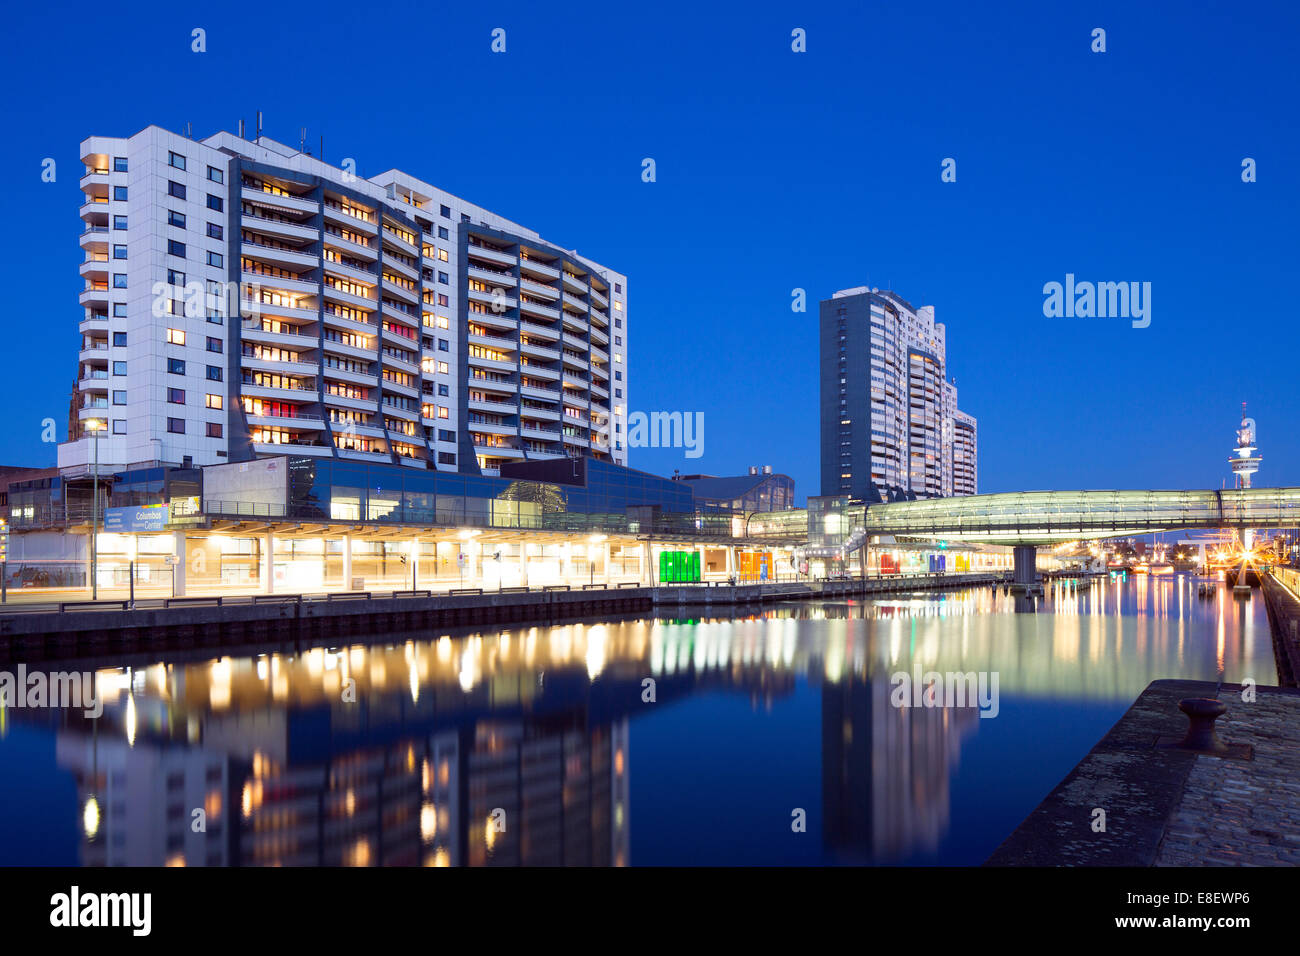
(372, 319)
(889, 413)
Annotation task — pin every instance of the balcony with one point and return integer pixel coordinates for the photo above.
(397, 388)
(579, 286)
(538, 268)
(336, 213)
(485, 254)
(97, 178)
(498, 451)
(293, 393)
(495, 320)
(297, 288)
(537, 309)
(95, 295)
(546, 414)
(493, 299)
(548, 292)
(490, 428)
(300, 447)
(540, 432)
(402, 269)
(532, 329)
(341, 270)
(575, 323)
(366, 303)
(540, 351)
(536, 391)
(502, 343)
(349, 247)
(275, 227)
(500, 408)
(598, 298)
(95, 209)
(354, 404)
(573, 361)
(500, 365)
(277, 366)
(401, 244)
(251, 310)
(280, 257)
(294, 204)
(540, 371)
(95, 238)
(364, 455)
(286, 421)
(493, 277)
(575, 304)
(95, 267)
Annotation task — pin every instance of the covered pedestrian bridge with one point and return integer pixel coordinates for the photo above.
(1050, 517)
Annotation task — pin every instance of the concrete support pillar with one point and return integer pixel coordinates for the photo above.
(523, 564)
(647, 569)
(266, 567)
(473, 551)
(178, 569)
(606, 559)
(347, 562)
(1026, 567)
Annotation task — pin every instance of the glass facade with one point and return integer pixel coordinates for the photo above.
(601, 497)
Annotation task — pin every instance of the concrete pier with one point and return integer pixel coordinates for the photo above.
(1170, 807)
(1284, 621)
(30, 632)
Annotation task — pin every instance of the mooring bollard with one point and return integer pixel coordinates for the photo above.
(1201, 713)
(1201, 738)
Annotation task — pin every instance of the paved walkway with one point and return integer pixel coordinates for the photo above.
(1172, 807)
(1242, 812)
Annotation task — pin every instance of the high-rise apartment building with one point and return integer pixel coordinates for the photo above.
(890, 426)
(245, 299)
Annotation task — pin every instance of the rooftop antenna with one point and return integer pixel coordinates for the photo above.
(259, 125)
(302, 141)
(241, 129)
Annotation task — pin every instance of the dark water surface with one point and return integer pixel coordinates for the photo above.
(535, 745)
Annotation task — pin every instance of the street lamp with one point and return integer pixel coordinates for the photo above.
(94, 426)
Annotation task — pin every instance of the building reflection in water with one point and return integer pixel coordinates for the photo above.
(415, 751)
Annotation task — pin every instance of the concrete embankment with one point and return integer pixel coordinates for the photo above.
(1165, 806)
(1284, 622)
(69, 629)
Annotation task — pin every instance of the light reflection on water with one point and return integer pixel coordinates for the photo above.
(536, 745)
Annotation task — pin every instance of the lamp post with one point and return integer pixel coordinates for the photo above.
(95, 426)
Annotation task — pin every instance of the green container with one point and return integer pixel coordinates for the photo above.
(679, 567)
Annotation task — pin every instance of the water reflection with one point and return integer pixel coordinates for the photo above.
(516, 747)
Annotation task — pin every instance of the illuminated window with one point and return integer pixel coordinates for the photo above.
(175, 337)
(214, 401)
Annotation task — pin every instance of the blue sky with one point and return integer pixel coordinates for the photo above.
(775, 171)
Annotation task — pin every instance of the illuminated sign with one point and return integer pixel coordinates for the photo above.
(136, 519)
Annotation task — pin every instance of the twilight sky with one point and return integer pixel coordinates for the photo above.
(776, 170)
